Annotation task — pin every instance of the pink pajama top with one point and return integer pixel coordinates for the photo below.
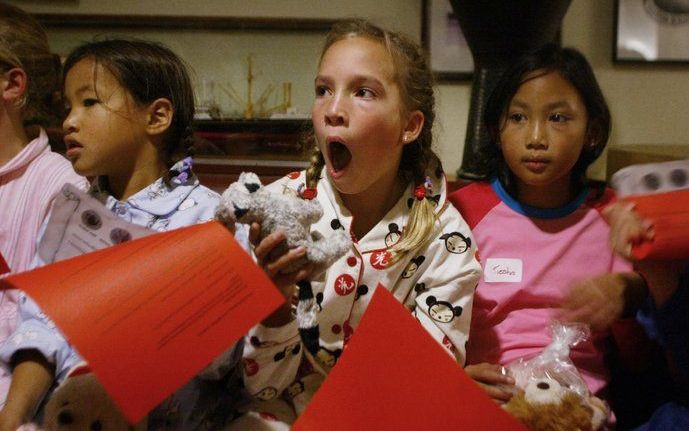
(530, 258)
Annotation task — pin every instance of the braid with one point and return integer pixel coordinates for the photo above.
(313, 172)
(187, 140)
(187, 143)
(422, 217)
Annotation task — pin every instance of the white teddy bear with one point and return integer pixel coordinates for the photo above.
(246, 201)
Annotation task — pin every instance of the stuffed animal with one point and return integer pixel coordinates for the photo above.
(545, 405)
(80, 403)
(247, 201)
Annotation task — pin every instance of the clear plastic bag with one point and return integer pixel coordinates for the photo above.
(550, 393)
(554, 361)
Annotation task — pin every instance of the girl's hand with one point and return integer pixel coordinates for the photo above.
(626, 228)
(601, 300)
(286, 283)
(492, 379)
(597, 301)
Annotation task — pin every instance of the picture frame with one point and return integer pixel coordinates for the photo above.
(651, 31)
(449, 54)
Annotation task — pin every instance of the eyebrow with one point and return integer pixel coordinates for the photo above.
(84, 88)
(356, 78)
(550, 106)
(321, 78)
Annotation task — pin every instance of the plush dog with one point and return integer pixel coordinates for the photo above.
(80, 403)
(545, 405)
(246, 201)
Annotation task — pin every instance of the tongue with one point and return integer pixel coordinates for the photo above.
(339, 156)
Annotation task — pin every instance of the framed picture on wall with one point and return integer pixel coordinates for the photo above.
(449, 53)
(651, 31)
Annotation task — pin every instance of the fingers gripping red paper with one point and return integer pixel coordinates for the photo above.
(669, 213)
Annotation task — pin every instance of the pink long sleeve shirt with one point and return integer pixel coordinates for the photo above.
(28, 184)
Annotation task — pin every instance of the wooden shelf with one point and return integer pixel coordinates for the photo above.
(270, 148)
(224, 149)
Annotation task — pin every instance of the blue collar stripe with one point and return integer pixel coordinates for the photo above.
(544, 213)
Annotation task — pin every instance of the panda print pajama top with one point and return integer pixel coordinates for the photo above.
(436, 283)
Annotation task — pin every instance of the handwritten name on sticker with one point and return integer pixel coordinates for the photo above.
(502, 270)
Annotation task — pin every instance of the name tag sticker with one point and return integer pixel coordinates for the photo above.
(500, 270)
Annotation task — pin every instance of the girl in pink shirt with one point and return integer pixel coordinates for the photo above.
(537, 224)
(30, 174)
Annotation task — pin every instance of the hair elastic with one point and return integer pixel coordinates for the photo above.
(309, 193)
(424, 190)
(420, 192)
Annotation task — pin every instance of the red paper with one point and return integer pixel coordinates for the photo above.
(4, 268)
(669, 213)
(150, 313)
(393, 376)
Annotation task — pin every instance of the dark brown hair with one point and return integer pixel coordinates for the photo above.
(148, 71)
(573, 67)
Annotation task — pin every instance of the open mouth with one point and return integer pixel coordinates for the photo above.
(339, 155)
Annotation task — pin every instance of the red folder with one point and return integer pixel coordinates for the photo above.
(669, 213)
(393, 376)
(149, 314)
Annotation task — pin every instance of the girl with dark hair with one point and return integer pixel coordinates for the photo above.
(130, 105)
(537, 223)
(571, 65)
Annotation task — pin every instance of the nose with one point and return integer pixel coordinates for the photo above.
(69, 125)
(536, 137)
(336, 112)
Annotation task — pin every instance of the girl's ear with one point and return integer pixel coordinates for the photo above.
(413, 128)
(160, 114)
(14, 85)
